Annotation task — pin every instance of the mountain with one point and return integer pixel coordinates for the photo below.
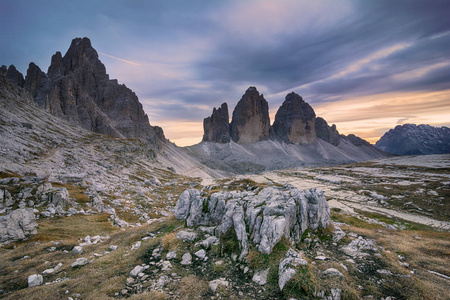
(296, 138)
(250, 121)
(411, 139)
(77, 88)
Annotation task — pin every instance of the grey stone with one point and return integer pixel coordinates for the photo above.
(332, 272)
(200, 254)
(269, 216)
(214, 284)
(260, 277)
(17, 225)
(186, 236)
(138, 269)
(80, 262)
(77, 250)
(186, 259)
(171, 255)
(35, 280)
(288, 267)
(166, 265)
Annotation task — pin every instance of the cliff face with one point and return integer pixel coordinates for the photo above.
(295, 121)
(217, 128)
(78, 89)
(327, 133)
(250, 121)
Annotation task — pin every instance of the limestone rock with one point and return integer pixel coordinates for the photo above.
(217, 128)
(200, 254)
(17, 225)
(268, 217)
(77, 250)
(214, 284)
(80, 262)
(250, 121)
(332, 272)
(359, 247)
(295, 121)
(35, 280)
(186, 259)
(327, 133)
(288, 267)
(260, 277)
(186, 236)
(138, 269)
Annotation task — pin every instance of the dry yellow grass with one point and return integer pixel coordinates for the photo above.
(192, 287)
(170, 242)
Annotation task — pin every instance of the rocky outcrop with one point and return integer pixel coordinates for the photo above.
(250, 121)
(78, 89)
(295, 121)
(411, 139)
(17, 225)
(327, 133)
(262, 219)
(217, 128)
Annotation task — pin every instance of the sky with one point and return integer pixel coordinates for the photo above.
(364, 65)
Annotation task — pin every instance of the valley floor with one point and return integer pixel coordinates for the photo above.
(397, 208)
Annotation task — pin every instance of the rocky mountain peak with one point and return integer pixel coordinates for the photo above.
(411, 139)
(15, 76)
(80, 52)
(251, 122)
(295, 121)
(77, 88)
(56, 67)
(217, 128)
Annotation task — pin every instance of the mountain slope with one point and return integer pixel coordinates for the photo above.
(410, 139)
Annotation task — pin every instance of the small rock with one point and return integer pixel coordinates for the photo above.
(80, 262)
(166, 265)
(77, 250)
(138, 269)
(171, 255)
(136, 246)
(260, 277)
(200, 254)
(35, 280)
(332, 272)
(214, 284)
(186, 259)
(187, 236)
(112, 247)
(320, 257)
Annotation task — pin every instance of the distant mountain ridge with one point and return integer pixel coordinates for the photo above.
(411, 139)
(77, 88)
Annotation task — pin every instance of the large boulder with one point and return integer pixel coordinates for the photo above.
(262, 219)
(295, 121)
(17, 225)
(217, 128)
(251, 122)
